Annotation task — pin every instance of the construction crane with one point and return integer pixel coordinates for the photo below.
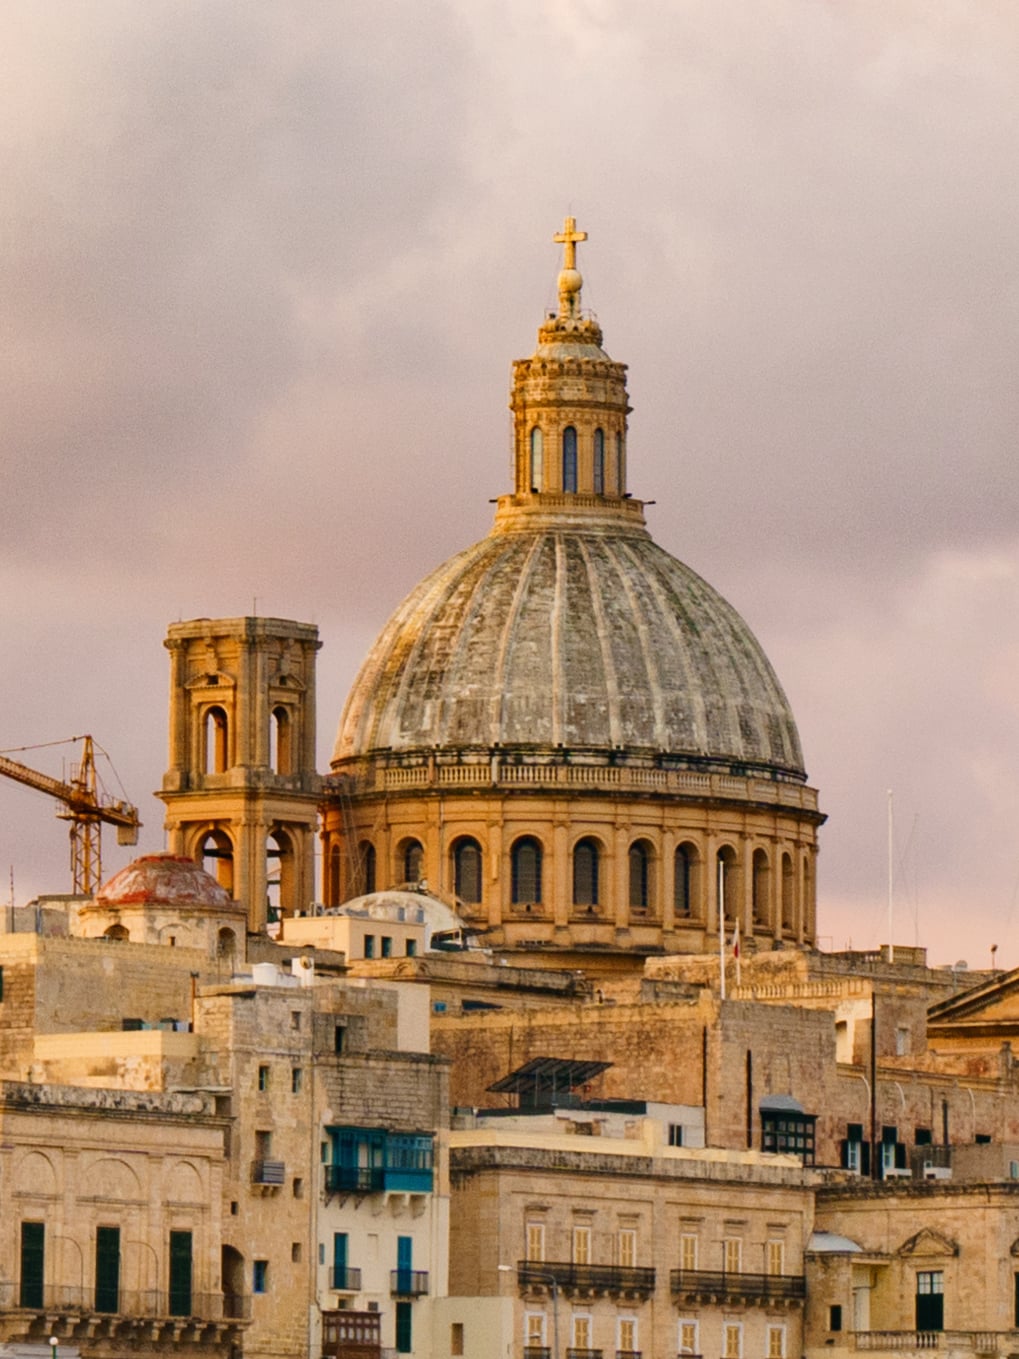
(86, 809)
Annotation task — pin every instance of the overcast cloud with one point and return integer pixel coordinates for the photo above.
(263, 270)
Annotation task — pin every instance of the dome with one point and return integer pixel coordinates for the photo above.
(574, 636)
(165, 880)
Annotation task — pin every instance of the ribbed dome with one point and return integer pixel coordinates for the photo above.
(165, 880)
(576, 636)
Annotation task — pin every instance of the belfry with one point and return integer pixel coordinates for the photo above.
(564, 728)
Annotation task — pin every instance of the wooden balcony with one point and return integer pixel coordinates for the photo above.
(351, 1335)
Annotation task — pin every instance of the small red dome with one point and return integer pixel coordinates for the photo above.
(164, 879)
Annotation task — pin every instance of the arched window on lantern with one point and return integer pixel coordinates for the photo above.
(525, 864)
(569, 459)
(599, 462)
(585, 873)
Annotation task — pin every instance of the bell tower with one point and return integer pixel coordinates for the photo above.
(241, 790)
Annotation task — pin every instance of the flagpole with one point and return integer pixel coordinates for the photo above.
(721, 926)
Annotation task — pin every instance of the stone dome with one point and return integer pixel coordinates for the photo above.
(165, 880)
(585, 636)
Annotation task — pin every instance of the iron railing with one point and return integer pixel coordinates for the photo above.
(596, 1278)
(345, 1280)
(408, 1283)
(355, 1179)
(573, 1353)
(725, 1284)
(25, 1296)
(268, 1172)
(537, 1352)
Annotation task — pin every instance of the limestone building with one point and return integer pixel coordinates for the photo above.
(565, 729)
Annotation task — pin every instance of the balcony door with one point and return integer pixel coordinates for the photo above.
(107, 1269)
(930, 1300)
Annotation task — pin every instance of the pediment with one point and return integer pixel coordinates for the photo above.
(928, 1242)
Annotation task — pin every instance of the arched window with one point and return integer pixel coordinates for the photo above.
(788, 907)
(214, 741)
(366, 860)
(216, 855)
(620, 469)
(762, 888)
(413, 861)
(727, 882)
(683, 883)
(525, 862)
(640, 875)
(585, 873)
(599, 462)
(118, 933)
(537, 458)
(569, 459)
(226, 944)
(280, 731)
(467, 870)
(280, 875)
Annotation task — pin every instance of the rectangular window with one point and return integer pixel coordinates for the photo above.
(688, 1251)
(534, 1330)
(387, 946)
(732, 1255)
(369, 946)
(339, 1037)
(774, 1257)
(260, 1276)
(295, 1019)
(296, 1080)
(411, 948)
(901, 1042)
(675, 1134)
(627, 1256)
(930, 1300)
(456, 1338)
(180, 1274)
(404, 1336)
(835, 1317)
(582, 1245)
(581, 1330)
(263, 1078)
(626, 1335)
(922, 1137)
(107, 1269)
(33, 1261)
(732, 1340)
(687, 1337)
(263, 1145)
(535, 1233)
(776, 1342)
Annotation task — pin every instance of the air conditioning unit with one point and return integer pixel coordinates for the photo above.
(933, 1172)
(898, 1173)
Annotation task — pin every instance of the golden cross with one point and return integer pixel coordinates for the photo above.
(569, 236)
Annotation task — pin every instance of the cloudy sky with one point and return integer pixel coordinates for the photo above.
(263, 270)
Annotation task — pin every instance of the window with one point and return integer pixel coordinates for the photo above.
(214, 741)
(467, 871)
(686, 1336)
(386, 943)
(893, 1152)
(537, 443)
(366, 854)
(263, 1078)
(835, 1317)
(404, 1335)
(640, 875)
(776, 1342)
(369, 946)
(295, 1020)
(339, 1037)
(675, 1134)
(296, 1080)
(599, 489)
(930, 1300)
(581, 1330)
(569, 459)
(411, 948)
(732, 1340)
(774, 1257)
(280, 742)
(456, 1338)
(526, 871)
(107, 1269)
(180, 1274)
(260, 1276)
(901, 1041)
(761, 885)
(534, 1330)
(404, 1264)
(688, 1251)
(626, 1335)
(628, 1256)
(33, 1260)
(683, 884)
(534, 1233)
(295, 1252)
(413, 861)
(922, 1137)
(855, 1152)
(620, 465)
(732, 1255)
(789, 1132)
(298, 1187)
(582, 1245)
(585, 873)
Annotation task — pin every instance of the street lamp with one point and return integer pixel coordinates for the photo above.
(54, 1342)
(553, 1283)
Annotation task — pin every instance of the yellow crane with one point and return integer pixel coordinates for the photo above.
(86, 809)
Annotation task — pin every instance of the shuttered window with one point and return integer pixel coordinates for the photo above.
(180, 1274)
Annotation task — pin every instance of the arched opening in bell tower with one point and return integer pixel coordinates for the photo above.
(216, 855)
(215, 733)
(281, 759)
(280, 877)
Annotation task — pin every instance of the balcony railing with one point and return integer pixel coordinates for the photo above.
(573, 1353)
(976, 1342)
(628, 1354)
(345, 1280)
(587, 1278)
(149, 1304)
(704, 1283)
(537, 1352)
(408, 1283)
(355, 1179)
(268, 1172)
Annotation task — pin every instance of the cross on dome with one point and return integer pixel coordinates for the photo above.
(569, 238)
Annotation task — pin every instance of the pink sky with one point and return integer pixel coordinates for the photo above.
(264, 269)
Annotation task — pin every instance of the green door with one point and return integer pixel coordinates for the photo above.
(33, 1255)
(107, 1269)
(180, 1274)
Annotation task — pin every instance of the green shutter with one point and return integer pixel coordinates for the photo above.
(33, 1258)
(107, 1269)
(403, 1328)
(180, 1274)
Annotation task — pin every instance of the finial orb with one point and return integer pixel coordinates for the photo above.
(570, 281)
